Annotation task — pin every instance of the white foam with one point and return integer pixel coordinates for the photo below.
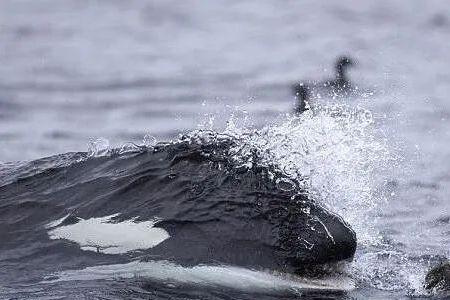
(225, 276)
(333, 152)
(101, 235)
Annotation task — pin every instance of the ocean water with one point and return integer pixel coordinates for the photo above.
(96, 75)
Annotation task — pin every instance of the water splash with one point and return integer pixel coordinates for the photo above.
(341, 158)
(386, 268)
(149, 141)
(98, 147)
(333, 153)
(101, 147)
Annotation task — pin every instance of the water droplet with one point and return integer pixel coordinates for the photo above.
(129, 147)
(149, 141)
(98, 147)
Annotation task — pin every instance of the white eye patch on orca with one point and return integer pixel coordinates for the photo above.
(100, 235)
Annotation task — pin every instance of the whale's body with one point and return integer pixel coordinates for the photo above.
(184, 203)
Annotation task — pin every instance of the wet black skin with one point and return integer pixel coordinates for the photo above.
(438, 278)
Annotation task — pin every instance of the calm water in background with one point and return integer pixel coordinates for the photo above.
(75, 70)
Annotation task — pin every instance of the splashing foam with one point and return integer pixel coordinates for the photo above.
(333, 153)
(101, 147)
(341, 159)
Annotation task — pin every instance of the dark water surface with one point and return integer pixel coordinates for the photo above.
(71, 71)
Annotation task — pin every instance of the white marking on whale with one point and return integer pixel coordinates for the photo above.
(225, 276)
(99, 234)
(326, 229)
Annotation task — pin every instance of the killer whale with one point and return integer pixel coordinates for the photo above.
(205, 209)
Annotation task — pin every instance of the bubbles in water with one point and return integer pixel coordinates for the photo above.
(285, 184)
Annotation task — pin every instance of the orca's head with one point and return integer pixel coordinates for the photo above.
(311, 236)
(241, 217)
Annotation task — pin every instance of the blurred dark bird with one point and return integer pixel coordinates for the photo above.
(439, 20)
(341, 83)
(301, 92)
(336, 87)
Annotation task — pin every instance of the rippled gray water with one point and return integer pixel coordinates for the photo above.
(75, 70)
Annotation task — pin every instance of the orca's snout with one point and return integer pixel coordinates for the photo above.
(341, 241)
(322, 239)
